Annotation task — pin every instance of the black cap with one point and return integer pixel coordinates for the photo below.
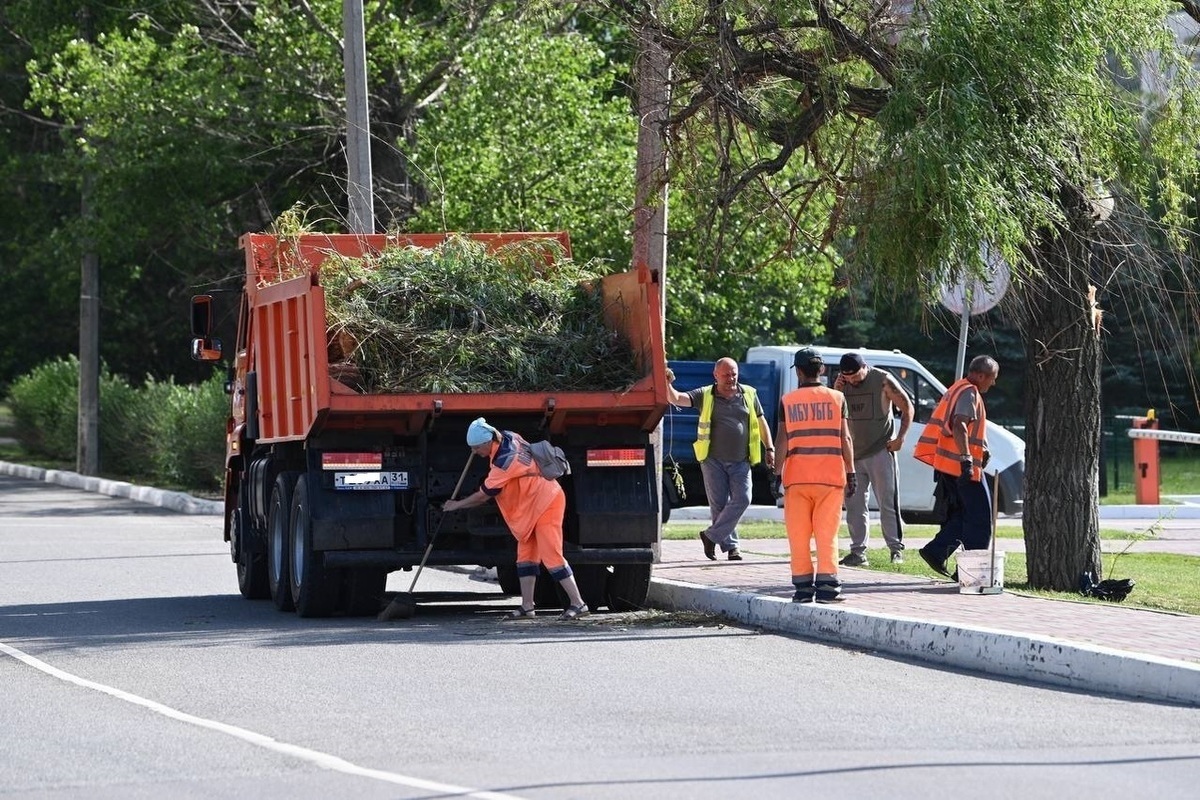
(851, 362)
(807, 357)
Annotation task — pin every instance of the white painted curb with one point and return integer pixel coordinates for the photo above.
(1024, 657)
(175, 501)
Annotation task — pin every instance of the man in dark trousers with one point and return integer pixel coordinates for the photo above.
(954, 443)
(731, 436)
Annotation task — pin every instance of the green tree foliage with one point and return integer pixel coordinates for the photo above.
(198, 121)
(929, 128)
(531, 138)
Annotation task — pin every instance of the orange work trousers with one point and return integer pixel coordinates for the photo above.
(545, 541)
(812, 511)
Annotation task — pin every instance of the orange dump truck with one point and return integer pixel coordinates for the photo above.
(328, 489)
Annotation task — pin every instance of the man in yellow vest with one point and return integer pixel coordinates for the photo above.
(954, 443)
(817, 471)
(731, 436)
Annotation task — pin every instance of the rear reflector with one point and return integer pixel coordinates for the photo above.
(617, 457)
(351, 460)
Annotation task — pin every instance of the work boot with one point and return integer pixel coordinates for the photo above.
(829, 591)
(710, 547)
(735, 555)
(804, 593)
(935, 564)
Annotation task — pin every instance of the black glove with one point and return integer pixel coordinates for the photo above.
(967, 466)
(851, 484)
(987, 456)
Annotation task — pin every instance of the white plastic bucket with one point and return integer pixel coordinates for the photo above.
(975, 571)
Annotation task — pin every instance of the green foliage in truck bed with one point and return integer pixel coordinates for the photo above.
(458, 318)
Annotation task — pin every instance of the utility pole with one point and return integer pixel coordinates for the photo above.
(650, 190)
(359, 194)
(87, 440)
(652, 74)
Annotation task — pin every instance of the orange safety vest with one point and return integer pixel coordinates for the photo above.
(812, 419)
(937, 447)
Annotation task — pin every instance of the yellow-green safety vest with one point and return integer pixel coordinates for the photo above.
(704, 426)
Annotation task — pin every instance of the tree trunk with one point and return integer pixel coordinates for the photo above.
(1062, 408)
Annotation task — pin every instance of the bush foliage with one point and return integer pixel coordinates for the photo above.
(161, 433)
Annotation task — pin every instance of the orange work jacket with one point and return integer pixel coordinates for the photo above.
(937, 447)
(812, 418)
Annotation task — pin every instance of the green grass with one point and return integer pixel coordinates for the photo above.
(1178, 474)
(1165, 582)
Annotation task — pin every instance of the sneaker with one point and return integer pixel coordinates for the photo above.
(897, 557)
(934, 564)
(735, 555)
(803, 595)
(710, 547)
(853, 560)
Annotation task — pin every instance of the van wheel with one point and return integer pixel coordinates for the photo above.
(278, 558)
(314, 588)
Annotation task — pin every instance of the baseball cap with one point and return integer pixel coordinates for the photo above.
(851, 362)
(807, 357)
(479, 432)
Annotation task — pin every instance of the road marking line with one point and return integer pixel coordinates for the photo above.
(323, 760)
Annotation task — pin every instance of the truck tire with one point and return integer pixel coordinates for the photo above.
(628, 586)
(251, 565)
(592, 580)
(315, 590)
(362, 591)
(278, 544)
(506, 575)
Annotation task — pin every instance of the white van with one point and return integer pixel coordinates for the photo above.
(916, 479)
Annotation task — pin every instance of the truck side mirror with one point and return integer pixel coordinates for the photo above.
(206, 349)
(202, 317)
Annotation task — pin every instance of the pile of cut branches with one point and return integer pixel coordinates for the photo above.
(461, 318)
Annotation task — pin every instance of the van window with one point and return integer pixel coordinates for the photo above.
(925, 395)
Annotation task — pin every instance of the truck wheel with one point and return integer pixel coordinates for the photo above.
(510, 584)
(251, 566)
(278, 560)
(592, 580)
(547, 593)
(628, 586)
(362, 591)
(314, 589)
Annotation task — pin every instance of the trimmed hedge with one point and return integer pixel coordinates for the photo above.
(173, 436)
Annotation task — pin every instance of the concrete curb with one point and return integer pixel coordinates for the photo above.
(1019, 656)
(175, 501)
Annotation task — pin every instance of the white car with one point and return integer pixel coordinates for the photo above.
(1005, 470)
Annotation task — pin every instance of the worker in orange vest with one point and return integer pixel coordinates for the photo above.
(954, 443)
(817, 471)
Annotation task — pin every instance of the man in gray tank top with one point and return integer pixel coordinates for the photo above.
(872, 398)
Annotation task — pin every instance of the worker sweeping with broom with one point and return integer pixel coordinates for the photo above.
(532, 507)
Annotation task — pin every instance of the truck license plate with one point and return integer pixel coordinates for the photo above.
(370, 481)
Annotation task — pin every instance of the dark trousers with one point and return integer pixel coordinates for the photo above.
(968, 516)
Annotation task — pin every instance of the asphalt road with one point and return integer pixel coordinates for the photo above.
(132, 668)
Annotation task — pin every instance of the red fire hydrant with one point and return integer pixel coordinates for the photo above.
(1145, 462)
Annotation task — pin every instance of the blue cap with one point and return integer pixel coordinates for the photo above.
(480, 433)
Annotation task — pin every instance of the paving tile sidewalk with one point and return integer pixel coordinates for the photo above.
(765, 572)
